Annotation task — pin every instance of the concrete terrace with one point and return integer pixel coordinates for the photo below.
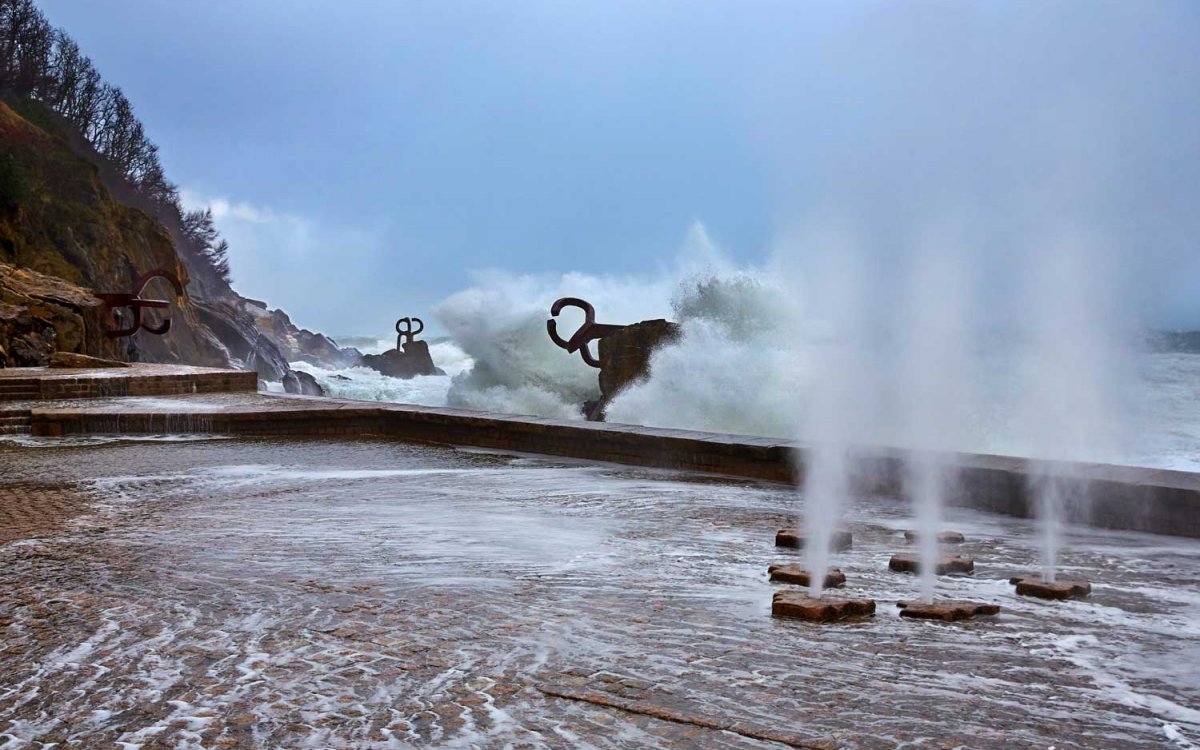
(323, 573)
(156, 399)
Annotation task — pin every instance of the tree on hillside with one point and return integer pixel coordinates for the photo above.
(25, 44)
(74, 84)
(44, 63)
(200, 230)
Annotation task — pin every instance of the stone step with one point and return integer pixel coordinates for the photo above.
(19, 396)
(16, 422)
(13, 386)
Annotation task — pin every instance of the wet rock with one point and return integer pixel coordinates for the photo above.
(82, 361)
(794, 539)
(299, 344)
(302, 383)
(1059, 589)
(410, 362)
(906, 562)
(42, 314)
(32, 349)
(826, 609)
(242, 345)
(793, 573)
(945, 537)
(947, 610)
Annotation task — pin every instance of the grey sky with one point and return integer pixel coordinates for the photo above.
(376, 151)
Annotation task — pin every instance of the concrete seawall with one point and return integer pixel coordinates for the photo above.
(1151, 500)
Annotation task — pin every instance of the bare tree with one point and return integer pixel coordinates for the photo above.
(46, 64)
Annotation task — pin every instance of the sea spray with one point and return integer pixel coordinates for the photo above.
(740, 366)
(829, 428)
(824, 487)
(751, 343)
(1073, 360)
(838, 400)
(500, 322)
(1049, 510)
(365, 384)
(926, 489)
(933, 365)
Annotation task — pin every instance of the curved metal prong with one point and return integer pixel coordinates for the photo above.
(589, 312)
(157, 273)
(132, 329)
(159, 329)
(585, 351)
(552, 329)
(586, 333)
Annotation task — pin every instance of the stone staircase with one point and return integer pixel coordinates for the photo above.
(19, 390)
(15, 421)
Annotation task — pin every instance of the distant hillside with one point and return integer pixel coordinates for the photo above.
(85, 206)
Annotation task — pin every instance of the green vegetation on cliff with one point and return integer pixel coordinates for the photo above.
(59, 220)
(42, 64)
(85, 207)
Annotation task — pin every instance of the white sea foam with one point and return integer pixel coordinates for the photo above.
(83, 441)
(752, 338)
(365, 384)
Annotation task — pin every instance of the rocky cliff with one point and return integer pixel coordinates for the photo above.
(69, 227)
(299, 344)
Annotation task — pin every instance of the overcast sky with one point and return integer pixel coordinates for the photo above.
(365, 155)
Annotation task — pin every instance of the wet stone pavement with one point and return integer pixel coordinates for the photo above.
(367, 594)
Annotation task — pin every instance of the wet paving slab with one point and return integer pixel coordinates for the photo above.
(263, 593)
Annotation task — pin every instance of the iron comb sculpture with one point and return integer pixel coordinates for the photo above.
(408, 333)
(116, 301)
(588, 332)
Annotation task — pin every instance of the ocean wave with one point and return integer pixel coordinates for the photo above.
(757, 345)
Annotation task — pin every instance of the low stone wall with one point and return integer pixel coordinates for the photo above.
(1157, 501)
(148, 385)
(138, 380)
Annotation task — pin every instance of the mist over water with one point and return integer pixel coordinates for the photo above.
(943, 366)
(935, 350)
(812, 347)
(1079, 353)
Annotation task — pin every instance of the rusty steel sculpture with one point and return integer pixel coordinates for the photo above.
(588, 332)
(408, 333)
(116, 301)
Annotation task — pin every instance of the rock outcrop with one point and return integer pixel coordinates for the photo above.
(302, 384)
(41, 314)
(409, 362)
(242, 345)
(299, 344)
(624, 357)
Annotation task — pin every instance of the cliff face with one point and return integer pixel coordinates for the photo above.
(41, 314)
(299, 344)
(64, 234)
